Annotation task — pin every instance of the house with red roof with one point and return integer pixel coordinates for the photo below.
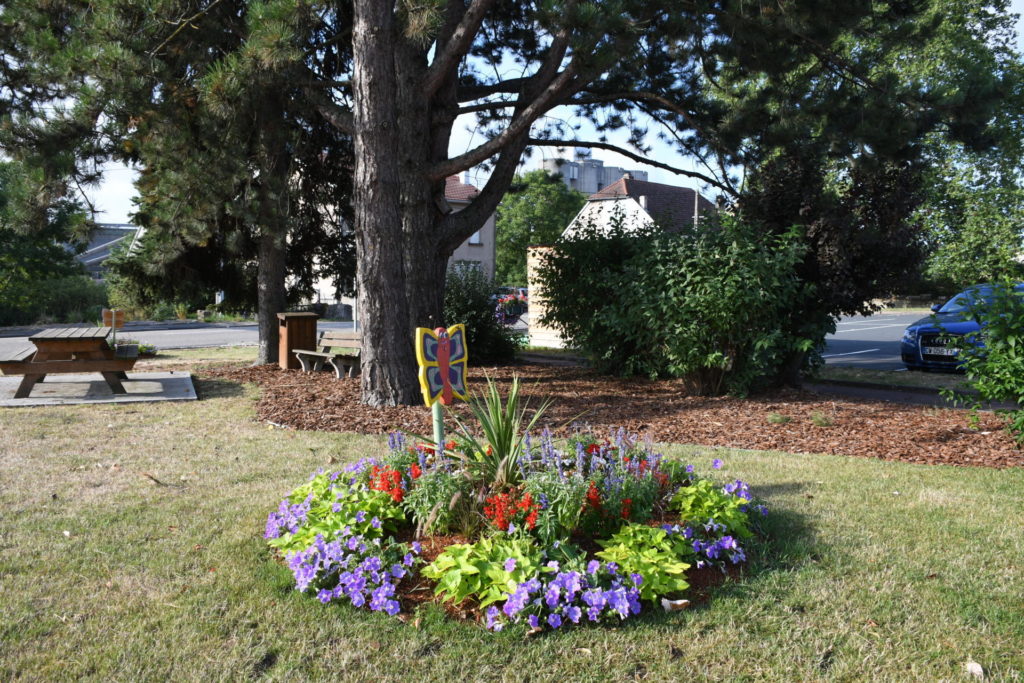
(478, 251)
(641, 203)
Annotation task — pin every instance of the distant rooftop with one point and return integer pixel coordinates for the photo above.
(102, 241)
(456, 190)
(672, 206)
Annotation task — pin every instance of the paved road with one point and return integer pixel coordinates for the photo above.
(867, 342)
(871, 342)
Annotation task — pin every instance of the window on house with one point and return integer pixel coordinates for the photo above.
(475, 238)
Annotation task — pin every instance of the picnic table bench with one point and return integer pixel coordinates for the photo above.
(338, 348)
(67, 350)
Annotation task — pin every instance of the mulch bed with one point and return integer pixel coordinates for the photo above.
(662, 410)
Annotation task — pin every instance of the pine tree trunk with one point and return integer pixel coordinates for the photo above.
(270, 293)
(421, 143)
(388, 362)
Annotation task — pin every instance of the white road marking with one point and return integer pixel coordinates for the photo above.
(851, 353)
(876, 327)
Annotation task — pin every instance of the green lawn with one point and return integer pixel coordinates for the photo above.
(873, 570)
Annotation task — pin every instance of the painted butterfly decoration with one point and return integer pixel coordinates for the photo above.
(442, 358)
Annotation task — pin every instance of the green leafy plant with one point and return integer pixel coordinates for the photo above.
(706, 306)
(704, 500)
(435, 499)
(485, 570)
(996, 369)
(468, 299)
(502, 424)
(330, 507)
(653, 553)
(563, 498)
(778, 419)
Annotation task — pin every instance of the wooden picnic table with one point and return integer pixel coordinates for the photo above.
(64, 350)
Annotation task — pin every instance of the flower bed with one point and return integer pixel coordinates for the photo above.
(518, 530)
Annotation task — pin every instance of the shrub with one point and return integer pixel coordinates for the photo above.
(707, 306)
(994, 362)
(71, 299)
(468, 299)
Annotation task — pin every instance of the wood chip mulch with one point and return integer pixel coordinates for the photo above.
(661, 409)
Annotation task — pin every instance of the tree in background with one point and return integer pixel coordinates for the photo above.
(973, 208)
(239, 176)
(39, 275)
(536, 209)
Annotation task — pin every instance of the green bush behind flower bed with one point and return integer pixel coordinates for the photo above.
(708, 306)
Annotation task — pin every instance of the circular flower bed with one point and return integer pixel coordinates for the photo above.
(512, 529)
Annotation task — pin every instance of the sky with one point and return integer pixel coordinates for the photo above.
(112, 197)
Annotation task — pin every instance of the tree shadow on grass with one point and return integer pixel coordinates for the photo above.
(209, 388)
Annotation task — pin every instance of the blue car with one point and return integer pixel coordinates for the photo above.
(935, 342)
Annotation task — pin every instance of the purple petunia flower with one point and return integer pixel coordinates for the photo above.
(416, 547)
(554, 620)
(593, 566)
(510, 564)
(717, 463)
(375, 523)
(360, 516)
(533, 621)
(689, 469)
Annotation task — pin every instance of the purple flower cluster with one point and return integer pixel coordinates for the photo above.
(356, 568)
(287, 518)
(741, 490)
(717, 550)
(569, 596)
(356, 470)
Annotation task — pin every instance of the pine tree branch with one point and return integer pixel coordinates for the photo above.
(544, 88)
(182, 23)
(456, 47)
(336, 115)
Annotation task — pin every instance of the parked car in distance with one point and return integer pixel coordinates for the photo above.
(936, 341)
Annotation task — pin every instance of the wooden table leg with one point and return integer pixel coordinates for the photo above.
(27, 382)
(114, 382)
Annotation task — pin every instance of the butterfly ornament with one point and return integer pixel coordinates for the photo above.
(442, 357)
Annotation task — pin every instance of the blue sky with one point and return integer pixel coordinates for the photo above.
(112, 198)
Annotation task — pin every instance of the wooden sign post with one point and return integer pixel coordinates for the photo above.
(114, 319)
(442, 357)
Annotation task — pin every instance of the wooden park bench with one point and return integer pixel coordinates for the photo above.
(338, 348)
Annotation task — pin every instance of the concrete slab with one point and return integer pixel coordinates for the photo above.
(90, 388)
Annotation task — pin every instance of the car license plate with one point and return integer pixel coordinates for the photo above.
(939, 351)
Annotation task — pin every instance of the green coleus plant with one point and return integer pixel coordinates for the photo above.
(655, 554)
(485, 571)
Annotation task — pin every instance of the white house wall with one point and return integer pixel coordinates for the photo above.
(600, 214)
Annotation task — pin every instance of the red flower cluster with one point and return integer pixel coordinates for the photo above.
(503, 510)
(627, 506)
(387, 480)
(594, 496)
(415, 471)
(430, 448)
